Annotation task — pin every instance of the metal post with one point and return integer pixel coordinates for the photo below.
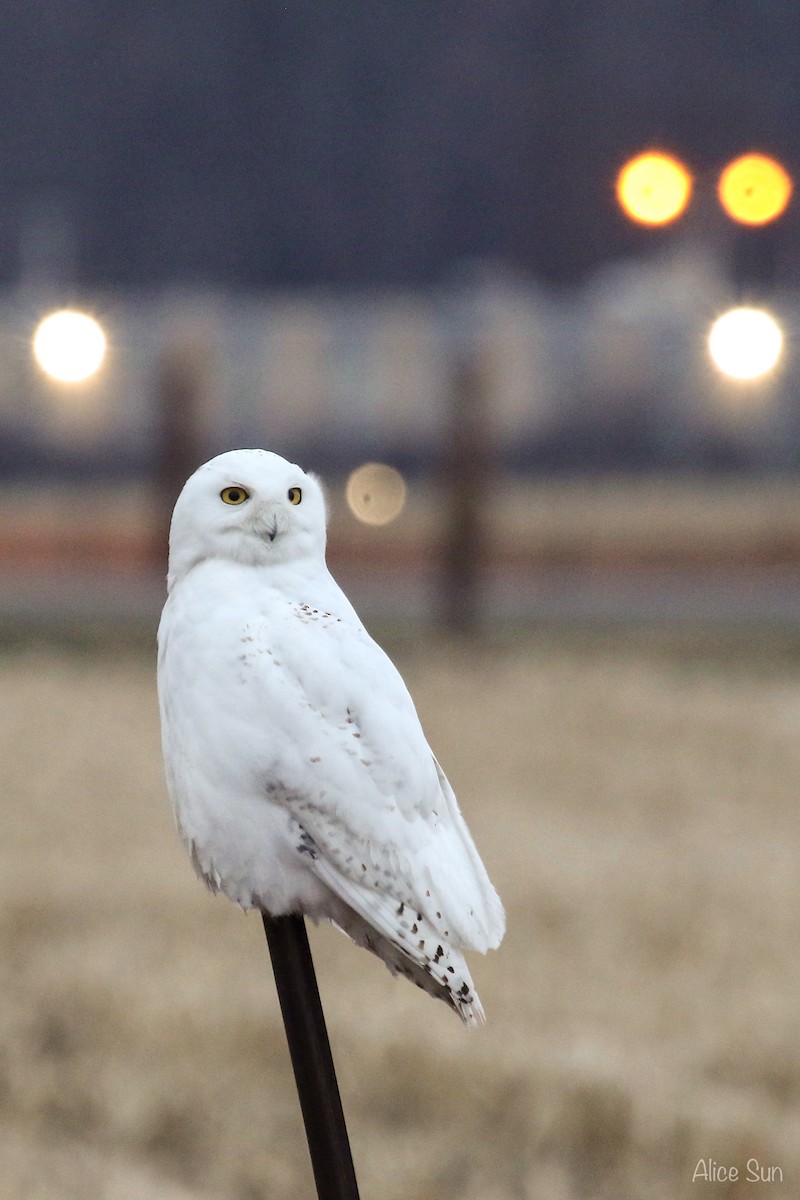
(310, 1052)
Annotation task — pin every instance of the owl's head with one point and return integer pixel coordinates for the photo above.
(249, 506)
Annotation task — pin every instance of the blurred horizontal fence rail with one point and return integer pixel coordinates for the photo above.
(655, 547)
(628, 522)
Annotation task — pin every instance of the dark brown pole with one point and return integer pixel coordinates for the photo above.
(178, 452)
(466, 476)
(310, 1051)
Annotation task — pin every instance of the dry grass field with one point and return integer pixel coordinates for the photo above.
(636, 799)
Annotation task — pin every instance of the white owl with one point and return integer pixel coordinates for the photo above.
(300, 777)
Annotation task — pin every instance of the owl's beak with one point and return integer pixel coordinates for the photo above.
(266, 523)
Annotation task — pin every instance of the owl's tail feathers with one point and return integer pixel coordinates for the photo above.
(428, 962)
(403, 937)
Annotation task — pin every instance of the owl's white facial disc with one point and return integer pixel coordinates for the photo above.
(249, 506)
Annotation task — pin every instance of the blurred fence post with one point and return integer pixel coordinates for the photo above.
(466, 477)
(182, 372)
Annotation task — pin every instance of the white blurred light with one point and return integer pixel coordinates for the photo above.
(376, 493)
(69, 346)
(745, 343)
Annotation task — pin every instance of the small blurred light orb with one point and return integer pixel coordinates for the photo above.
(653, 188)
(754, 189)
(745, 343)
(376, 493)
(69, 346)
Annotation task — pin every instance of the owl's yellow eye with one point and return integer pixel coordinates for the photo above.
(295, 495)
(234, 495)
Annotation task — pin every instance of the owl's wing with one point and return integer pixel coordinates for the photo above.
(382, 826)
(425, 867)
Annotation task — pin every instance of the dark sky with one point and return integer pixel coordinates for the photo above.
(252, 143)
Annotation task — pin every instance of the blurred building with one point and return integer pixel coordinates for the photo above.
(612, 375)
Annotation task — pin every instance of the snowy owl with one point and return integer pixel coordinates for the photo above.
(300, 778)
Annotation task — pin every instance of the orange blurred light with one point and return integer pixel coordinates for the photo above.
(754, 189)
(653, 188)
